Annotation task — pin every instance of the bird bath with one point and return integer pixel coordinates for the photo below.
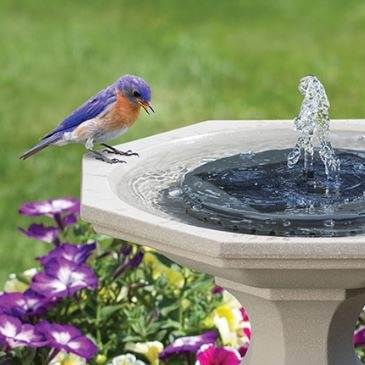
(303, 294)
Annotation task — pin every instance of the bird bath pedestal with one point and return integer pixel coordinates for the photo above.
(302, 295)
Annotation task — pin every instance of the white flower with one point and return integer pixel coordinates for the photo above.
(63, 358)
(127, 359)
(28, 274)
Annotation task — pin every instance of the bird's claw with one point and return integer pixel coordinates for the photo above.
(121, 153)
(115, 160)
(109, 160)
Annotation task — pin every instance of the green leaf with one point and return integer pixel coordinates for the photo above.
(131, 338)
(164, 260)
(109, 310)
(171, 308)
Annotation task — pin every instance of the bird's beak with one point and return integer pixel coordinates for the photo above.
(146, 105)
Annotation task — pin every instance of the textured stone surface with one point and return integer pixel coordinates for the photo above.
(298, 290)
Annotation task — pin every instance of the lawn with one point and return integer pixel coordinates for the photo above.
(206, 59)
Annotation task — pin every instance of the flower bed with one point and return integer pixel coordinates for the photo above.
(97, 300)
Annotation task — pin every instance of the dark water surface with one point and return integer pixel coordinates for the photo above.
(258, 194)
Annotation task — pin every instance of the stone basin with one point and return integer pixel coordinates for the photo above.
(302, 294)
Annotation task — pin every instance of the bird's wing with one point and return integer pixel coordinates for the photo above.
(90, 109)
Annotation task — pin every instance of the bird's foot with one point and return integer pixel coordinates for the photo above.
(99, 156)
(115, 151)
(109, 160)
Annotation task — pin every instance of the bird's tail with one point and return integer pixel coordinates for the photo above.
(40, 146)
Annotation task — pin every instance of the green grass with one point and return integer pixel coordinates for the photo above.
(204, 59)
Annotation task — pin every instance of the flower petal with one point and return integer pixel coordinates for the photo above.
(69, 219)
(75, 253)
(51, 207)
(41, 232)
(9, 326)
(48, 286)
(63, 278)
(82, 346)
(17, 334)
(67, 338)
(188, 344)
(359, 337)
(212, 355)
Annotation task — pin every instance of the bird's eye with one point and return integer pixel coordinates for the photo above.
(136, 94)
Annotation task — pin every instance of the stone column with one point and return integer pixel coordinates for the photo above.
(299, 326)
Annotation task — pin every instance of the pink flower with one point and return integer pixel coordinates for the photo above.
(359, 337)
(212, 355)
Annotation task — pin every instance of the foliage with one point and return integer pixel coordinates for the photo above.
(105, 300)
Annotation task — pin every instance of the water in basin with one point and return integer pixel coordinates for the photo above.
(272, 188)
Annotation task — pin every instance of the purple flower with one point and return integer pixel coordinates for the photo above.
(69, 219)
(131, 264)
(217, 290)
(63, 278)
(67, 338)
(42, 233)
(75, 253)
(188, 344)
(51, 207)
(359, 337)
(125, 249)
(14, 333)
(136, 260)
(28, 303)
(212, 355)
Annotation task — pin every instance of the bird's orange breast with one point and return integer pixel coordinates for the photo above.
(123, 114)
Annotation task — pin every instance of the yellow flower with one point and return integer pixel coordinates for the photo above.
(185, 303)
(107, 293)
(148, 249)
(63, 358)
(227, 318)
(150, 350)
(13, 284)
(174, 277)
(100, 359)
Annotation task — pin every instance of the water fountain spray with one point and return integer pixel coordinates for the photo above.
(313, 122)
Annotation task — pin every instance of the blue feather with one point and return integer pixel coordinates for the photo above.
(90, 109)
(41, 145)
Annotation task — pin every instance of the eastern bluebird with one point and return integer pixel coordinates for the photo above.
(105, 116)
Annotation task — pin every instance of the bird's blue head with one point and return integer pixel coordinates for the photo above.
(136, 90)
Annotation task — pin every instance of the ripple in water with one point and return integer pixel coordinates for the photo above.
(262, 195)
